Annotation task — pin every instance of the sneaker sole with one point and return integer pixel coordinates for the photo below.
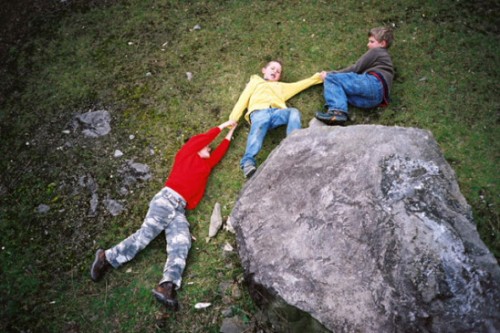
(251, 170)
(250, 173)
(96, 260)
(332, 121)
(168, 303)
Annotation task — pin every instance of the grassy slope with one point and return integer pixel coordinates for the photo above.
(131, 58)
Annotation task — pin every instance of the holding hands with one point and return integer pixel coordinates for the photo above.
(231, 124)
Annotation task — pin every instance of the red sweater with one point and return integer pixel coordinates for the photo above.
(190, 172)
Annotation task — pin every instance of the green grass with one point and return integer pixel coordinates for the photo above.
(131, 58)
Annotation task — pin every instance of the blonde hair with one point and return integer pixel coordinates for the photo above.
(382, 34)
(275, 60)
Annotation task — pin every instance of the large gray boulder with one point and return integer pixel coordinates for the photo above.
(364, 229)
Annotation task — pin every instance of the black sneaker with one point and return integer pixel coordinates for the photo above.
(332, 117)
(165, 294)
(100, 266)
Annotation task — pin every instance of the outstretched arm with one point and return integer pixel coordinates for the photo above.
(291, 89)
(221, 149)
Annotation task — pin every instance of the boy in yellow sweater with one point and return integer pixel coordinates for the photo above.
(264, 99)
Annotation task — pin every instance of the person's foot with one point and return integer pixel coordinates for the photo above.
(165, 294)
(332, 117)
(100, 266)
(248, 170)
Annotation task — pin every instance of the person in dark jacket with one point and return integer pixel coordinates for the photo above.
(365, 85)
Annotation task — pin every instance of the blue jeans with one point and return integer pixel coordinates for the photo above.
(262, 121)
(363, 91)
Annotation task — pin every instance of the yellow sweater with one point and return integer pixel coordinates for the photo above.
(261, 94)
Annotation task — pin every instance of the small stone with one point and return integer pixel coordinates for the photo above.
(114, 207)
(229, 225)
(235, 291)
(215, 221)
(228, 247)
(93, 123)
(202, 305)
(226, 313)
(224, 286)
(94, 201)
(42, 209)
(232, 325)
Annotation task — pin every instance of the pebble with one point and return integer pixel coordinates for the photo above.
(202, 305)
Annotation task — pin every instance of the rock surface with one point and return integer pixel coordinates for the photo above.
(364, 229)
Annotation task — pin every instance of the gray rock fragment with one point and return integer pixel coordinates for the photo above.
(42, 209)
(94, 124)
(114, 207)
(233, 325)
(215, 221)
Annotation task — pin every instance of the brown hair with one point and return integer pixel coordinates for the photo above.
(275, 60)
(382, 34)
(270, 61)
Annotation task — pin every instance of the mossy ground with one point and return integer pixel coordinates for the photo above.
(131, 58)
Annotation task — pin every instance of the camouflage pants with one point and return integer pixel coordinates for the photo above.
(166, 213)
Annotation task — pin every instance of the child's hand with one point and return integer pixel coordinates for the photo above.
(229, 123)
(323, 75)
(229, 134)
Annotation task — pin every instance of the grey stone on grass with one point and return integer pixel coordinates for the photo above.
(113, 207)
(132, 172)
(94, 202)
(42, 209)
(215, 220)
(364, 229)
(233, 325)
(94, 124)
